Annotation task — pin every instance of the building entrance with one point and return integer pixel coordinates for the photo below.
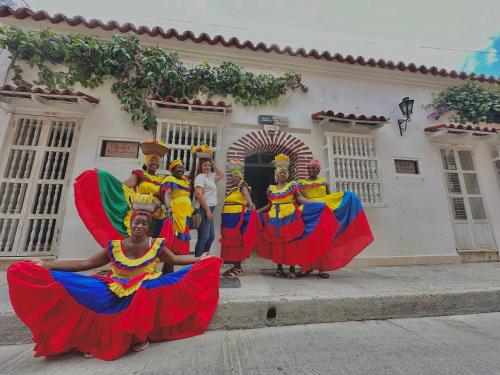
(259, 174)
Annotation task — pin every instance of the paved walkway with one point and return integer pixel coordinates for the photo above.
(455, 345)
(350, 294)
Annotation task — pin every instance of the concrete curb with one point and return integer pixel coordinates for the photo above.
(254, 314)
(282, 312)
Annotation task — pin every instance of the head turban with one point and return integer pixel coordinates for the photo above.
(174, 164)
(148, 157)
(314, 163)
(279, 169)
(141, 212)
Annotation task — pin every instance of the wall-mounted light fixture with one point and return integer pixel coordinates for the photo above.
(406, 107)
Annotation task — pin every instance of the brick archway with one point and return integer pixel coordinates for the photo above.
(279, 143)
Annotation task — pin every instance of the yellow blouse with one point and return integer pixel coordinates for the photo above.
(235, 202)
(149, 183)
(133, 271)
(314, 190)
(282, 200)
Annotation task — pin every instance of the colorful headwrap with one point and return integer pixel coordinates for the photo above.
(235, 167)
(173, 164)
(148, 157)
(141, 212)
(314, 163)
(279, 169)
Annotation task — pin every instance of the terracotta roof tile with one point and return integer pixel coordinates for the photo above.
(25, 91)
(435, 128)
(23, 13)
(196, 104)
(341, 116)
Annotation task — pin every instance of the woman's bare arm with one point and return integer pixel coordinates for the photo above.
(266, 208)
(219, 175)
(300, 198)
(198, 193)
(169, 257)
(132, 181)
(98, 260)
(248, 198)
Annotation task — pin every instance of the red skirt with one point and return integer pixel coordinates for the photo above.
(67, 311)
(303, 239)
(238, 235)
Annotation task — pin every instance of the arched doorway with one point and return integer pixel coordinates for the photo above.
(259, 174)
(257, 150)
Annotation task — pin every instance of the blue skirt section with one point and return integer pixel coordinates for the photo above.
(94, 294)
(311, 214)
(232, 220)
(349, 208)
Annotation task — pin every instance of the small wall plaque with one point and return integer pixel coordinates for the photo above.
(119, 149)
(273, 120)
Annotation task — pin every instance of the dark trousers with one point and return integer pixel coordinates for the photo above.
(206, 233)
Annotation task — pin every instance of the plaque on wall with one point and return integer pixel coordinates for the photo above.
(119, 149)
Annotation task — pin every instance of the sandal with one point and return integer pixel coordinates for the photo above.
(303, 273)
(140, 346)
(323, 275)
(234, 272)
(228, 271)
(279, 273)
(87, 355)
(291, 275)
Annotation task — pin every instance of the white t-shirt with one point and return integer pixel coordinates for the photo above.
(207, 182)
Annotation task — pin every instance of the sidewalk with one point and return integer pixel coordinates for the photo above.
(350, 294)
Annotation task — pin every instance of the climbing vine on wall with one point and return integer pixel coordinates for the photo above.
(470, 103)
(137, 72)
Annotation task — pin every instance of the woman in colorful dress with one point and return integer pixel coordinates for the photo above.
(176, 191)
(103, 202)
(354, 233)
(291, 236)
(239, 226)
(105, 316)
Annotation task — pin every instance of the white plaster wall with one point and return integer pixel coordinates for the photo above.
(415, 218)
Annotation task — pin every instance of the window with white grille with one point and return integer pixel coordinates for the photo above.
(471, 227)
(35, 170)
(180, 136)
(353, 165)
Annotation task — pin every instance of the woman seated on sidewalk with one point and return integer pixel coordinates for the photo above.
(104, 316)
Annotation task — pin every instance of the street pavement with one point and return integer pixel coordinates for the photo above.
(350, 294)
(461, 344)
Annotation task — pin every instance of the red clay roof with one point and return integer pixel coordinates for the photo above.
(51, 94)
(196, 104)
(435, 128)
(22, 13)
(360, 118)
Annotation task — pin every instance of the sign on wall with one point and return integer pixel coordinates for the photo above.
(119, 149)
(273, 120)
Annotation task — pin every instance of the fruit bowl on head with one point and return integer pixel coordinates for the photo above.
(154, 147)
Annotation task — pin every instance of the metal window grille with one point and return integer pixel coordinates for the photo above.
(404, 166)
(34, 177)
(353, 165)
(180, 136)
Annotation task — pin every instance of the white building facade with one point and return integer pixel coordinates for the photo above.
(431, 195)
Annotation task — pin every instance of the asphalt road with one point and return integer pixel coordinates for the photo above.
(466, 344)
